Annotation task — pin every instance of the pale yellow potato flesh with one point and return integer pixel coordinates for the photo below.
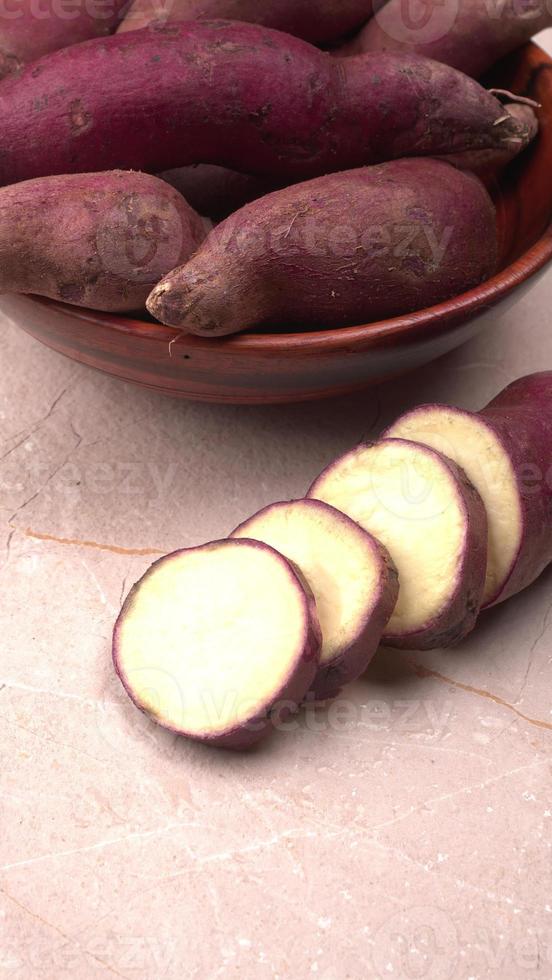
(409, 500)
(470, 443)
(211, 636)
(340, 564)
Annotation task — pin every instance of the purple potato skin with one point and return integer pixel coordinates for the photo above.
(317, 21)
(216, 191)
(240, 96)
(521, 418)
(473, 41)
(352, 661)
(292, 691)
(95, 240)
(459, 616)
(26, 37)
(385, 264)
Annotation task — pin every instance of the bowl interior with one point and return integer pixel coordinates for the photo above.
(523, 192)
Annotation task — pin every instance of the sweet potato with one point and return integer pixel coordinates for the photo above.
(216, 191)
(470, 35)
(506, 451)
(362, 245)
(350, 574)
(29, 30)
(98, 240)
(422, 507)
(211, 640)
(317, 21)
(243, 97)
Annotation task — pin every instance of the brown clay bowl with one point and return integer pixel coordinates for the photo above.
(287, 367)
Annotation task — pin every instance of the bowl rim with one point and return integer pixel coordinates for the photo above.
(426, 323)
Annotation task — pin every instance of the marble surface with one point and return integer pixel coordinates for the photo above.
(405, 833)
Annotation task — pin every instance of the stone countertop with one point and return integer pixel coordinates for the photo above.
(408, 837)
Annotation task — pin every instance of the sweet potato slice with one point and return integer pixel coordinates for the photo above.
(212, 639)
(351, 575)
(431, 519)
(506, 451)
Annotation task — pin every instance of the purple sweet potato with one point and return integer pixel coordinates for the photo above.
(239, 96)
(212, 641)
(96, 240)
(359, 246)
(317, 21)
(432, 521)
(506, 451)
(470, 35)
(216, 191)
(30, 30)
(351, 575)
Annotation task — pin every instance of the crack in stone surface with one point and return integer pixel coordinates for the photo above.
(64, 935)
(422, 671)
(96, 545)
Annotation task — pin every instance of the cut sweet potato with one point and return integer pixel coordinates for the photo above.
(211, 639)
(432, 521)
(506, 451)
(351, 575)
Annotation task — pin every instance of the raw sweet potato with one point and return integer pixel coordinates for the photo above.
(213, 640)
(216, 191)
(431, 519)
(29, 30)
(317, 21)
(241, 96)
(350, 574)
(470, 35)
(506, 451)
(361, 246)
(98, 240)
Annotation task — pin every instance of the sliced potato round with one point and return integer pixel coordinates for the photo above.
(431, 519)
(472, 444)
(212, 639)
(351, 575)
(506, 451)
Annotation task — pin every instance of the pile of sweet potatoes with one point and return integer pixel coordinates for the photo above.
(120, 149)
(401, 542)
